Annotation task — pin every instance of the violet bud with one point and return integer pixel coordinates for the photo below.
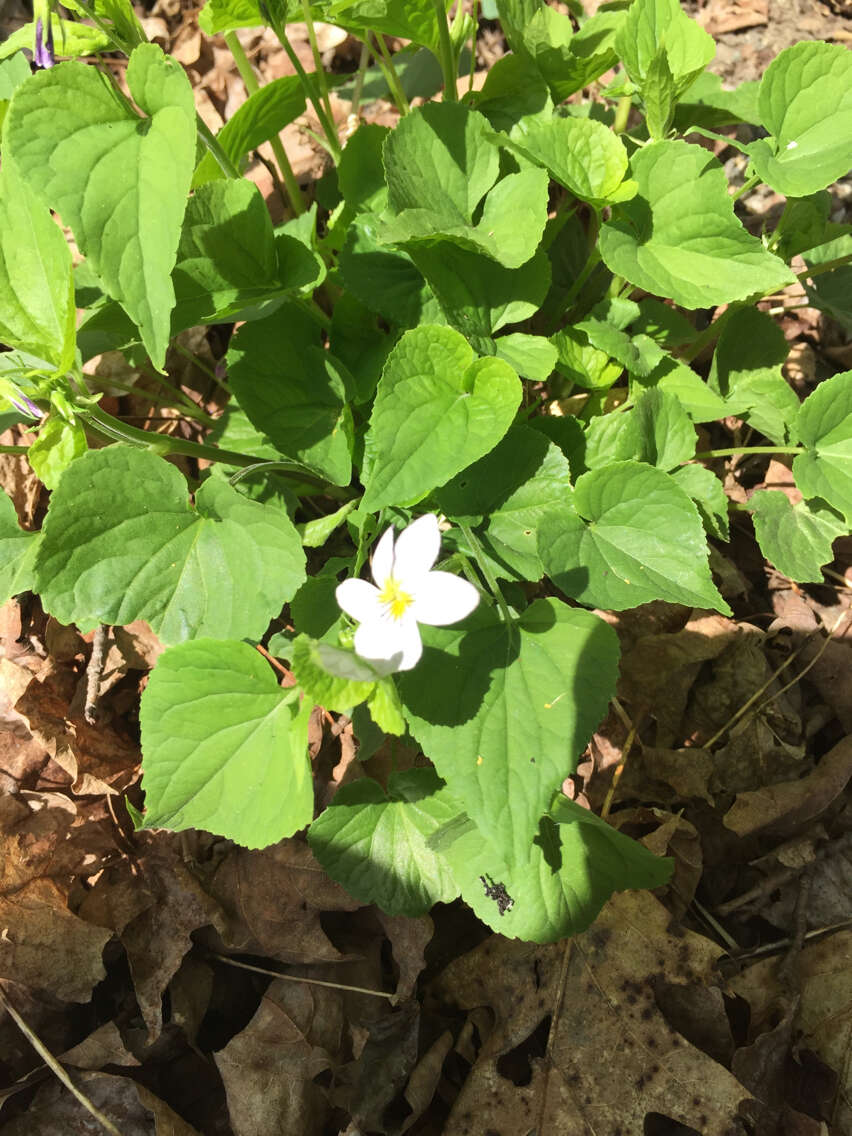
(26, 406)
(43, 54)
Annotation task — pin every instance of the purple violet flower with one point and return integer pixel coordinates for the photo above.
(43, 54)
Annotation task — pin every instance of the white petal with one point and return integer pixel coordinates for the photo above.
(382, 559)
(390, 645)
(442, 598)
(359, 599)
(417, 548)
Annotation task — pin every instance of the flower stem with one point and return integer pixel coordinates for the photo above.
(485, 568)
(187, 407)
(446, 56)
(116, 430)
(297, 202)
(734, 450)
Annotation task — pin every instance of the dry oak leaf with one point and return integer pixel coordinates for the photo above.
(823, 1022)
(268, 1069)
(273, 898)
(786, 806)
(611, 1056)
(44, 945)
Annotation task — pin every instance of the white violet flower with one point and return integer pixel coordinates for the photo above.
(406, 592)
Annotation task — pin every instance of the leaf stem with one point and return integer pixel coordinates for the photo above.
(294, 193)
(622, 114)
(385, 62)
(318, 67)
(446, 55)
(473, 35)
(485, 568)
(363, 60)
(13, 449)
(710, 333)
(746, 187)
(828, 266)
(726, 453)
(332, 142)
(215, 148)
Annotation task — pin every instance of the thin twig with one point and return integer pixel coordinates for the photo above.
(625, 753)
(619, 769)
(299, 978)
(55, 1067)
(94, 671)
(780, 944)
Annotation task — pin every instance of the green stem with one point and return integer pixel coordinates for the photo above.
(332, 142)
(316, 313)
(188, 407)
(710, 333)
(385, 62)
(318, 67)
(473, 36)
(484, 567)
(359, 79)
(828, 266)
(201, 365)
(446, 56)
(294, 193)
(13, 449)
(213, 145)
(704, 455)
(746, 187)
(116, 430)
(622, 114)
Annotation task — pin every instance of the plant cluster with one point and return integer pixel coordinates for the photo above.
(485, 335)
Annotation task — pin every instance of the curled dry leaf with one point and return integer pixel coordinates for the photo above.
(785, 807)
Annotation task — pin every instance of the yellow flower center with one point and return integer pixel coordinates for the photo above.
(395, 599)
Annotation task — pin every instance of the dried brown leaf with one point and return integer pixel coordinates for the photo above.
(600, 989)
(273, 898)
(268, 1069)
(823, 1020)
(44, 945)
(785, 807)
